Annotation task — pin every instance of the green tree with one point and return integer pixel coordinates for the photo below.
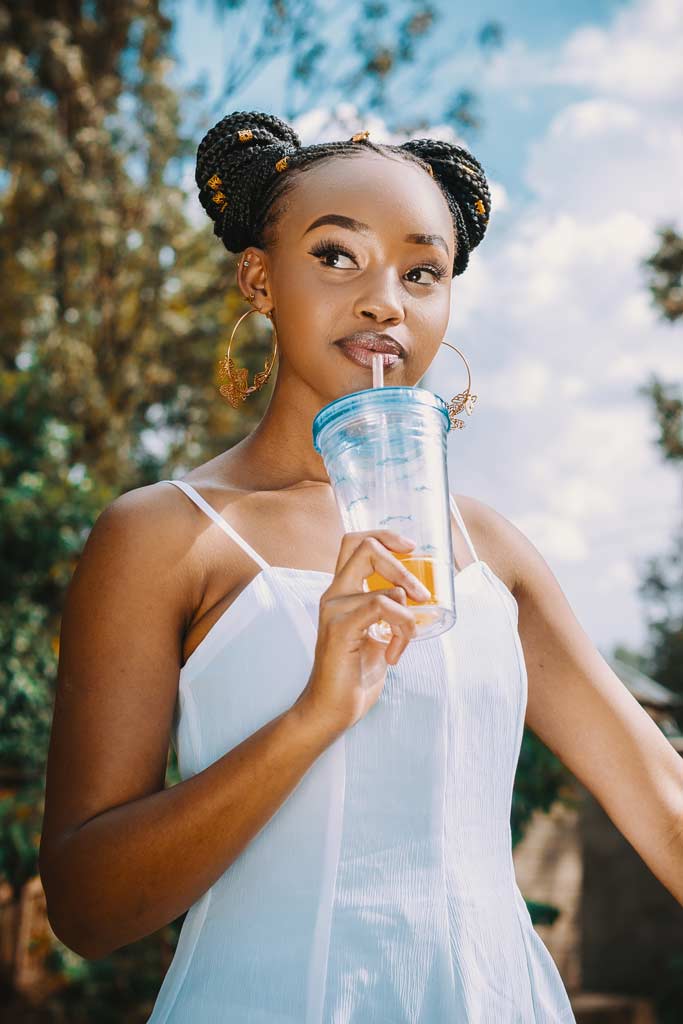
(386, 59)
(662, 586)
(110, 318)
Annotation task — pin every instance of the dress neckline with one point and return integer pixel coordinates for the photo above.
(220, 622)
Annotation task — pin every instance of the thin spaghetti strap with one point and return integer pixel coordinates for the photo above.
(196, 497)
(463, 528)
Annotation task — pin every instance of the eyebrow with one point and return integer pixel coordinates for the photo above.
(356, 225)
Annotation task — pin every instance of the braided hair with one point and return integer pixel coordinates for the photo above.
(242, 187)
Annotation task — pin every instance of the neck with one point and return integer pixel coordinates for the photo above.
(279, 454)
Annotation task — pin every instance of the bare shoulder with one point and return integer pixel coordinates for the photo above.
(123, 619)
(151, 529)
(497, 540)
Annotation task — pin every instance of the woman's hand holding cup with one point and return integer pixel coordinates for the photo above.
(350, 667)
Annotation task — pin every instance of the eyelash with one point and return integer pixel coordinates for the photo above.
(326, 246)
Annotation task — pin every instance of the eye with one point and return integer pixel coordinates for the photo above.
(438, 271)
(325, 248)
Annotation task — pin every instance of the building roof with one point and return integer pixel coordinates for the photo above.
(647, 691)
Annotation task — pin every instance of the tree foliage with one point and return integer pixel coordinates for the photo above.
(389, 59)
(113, 310)
(113, 313)
(662, 585)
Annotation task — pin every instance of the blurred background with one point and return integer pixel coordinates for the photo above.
(117, 301)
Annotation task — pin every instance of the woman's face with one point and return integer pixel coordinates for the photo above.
(328, 281)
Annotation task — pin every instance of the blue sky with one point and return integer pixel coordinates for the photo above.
(202, 39)
(583, 148)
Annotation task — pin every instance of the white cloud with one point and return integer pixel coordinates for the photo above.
(500, 201)
(559, 539)
(323, 124)
(602, 154)
(525, 384)
(637, 57)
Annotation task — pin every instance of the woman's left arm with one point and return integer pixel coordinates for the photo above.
(583, 712)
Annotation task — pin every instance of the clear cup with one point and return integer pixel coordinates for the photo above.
(385, 452)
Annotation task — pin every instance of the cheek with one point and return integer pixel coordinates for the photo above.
(308, 310)
(428, 328)
(306, 324)
(295, 283)
(429, 320)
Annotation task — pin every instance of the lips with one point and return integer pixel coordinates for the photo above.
(372, 343)
(364, 356)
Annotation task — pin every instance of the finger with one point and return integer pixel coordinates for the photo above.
(398, 642)
(393, 651)
(356, 612)
(369, 556)
(333, 606)
(362, 610)
(354, 538)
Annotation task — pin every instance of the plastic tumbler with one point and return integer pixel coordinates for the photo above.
(384, 450)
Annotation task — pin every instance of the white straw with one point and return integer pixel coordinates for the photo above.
(377, 370)
(381, 470)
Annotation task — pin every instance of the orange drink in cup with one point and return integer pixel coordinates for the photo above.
(421, 567)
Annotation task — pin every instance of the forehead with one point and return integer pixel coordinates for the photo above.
(392, 196)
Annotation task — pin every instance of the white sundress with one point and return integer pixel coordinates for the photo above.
(383, 888)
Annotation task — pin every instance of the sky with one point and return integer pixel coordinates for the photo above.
(582, 145)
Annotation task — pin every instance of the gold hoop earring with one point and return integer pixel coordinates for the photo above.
(465, 400)
(232, 379)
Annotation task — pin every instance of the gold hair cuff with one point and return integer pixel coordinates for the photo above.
(218, 197)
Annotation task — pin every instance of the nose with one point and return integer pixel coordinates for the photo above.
(380, 299)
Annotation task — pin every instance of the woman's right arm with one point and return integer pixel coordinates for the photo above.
(120, 855)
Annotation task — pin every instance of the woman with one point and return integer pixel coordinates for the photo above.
(341, 835)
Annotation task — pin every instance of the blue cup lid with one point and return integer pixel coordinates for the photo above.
(376, 398)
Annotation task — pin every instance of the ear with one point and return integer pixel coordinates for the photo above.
(252, 278)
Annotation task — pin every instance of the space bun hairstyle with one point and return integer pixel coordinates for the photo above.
(244, 173)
